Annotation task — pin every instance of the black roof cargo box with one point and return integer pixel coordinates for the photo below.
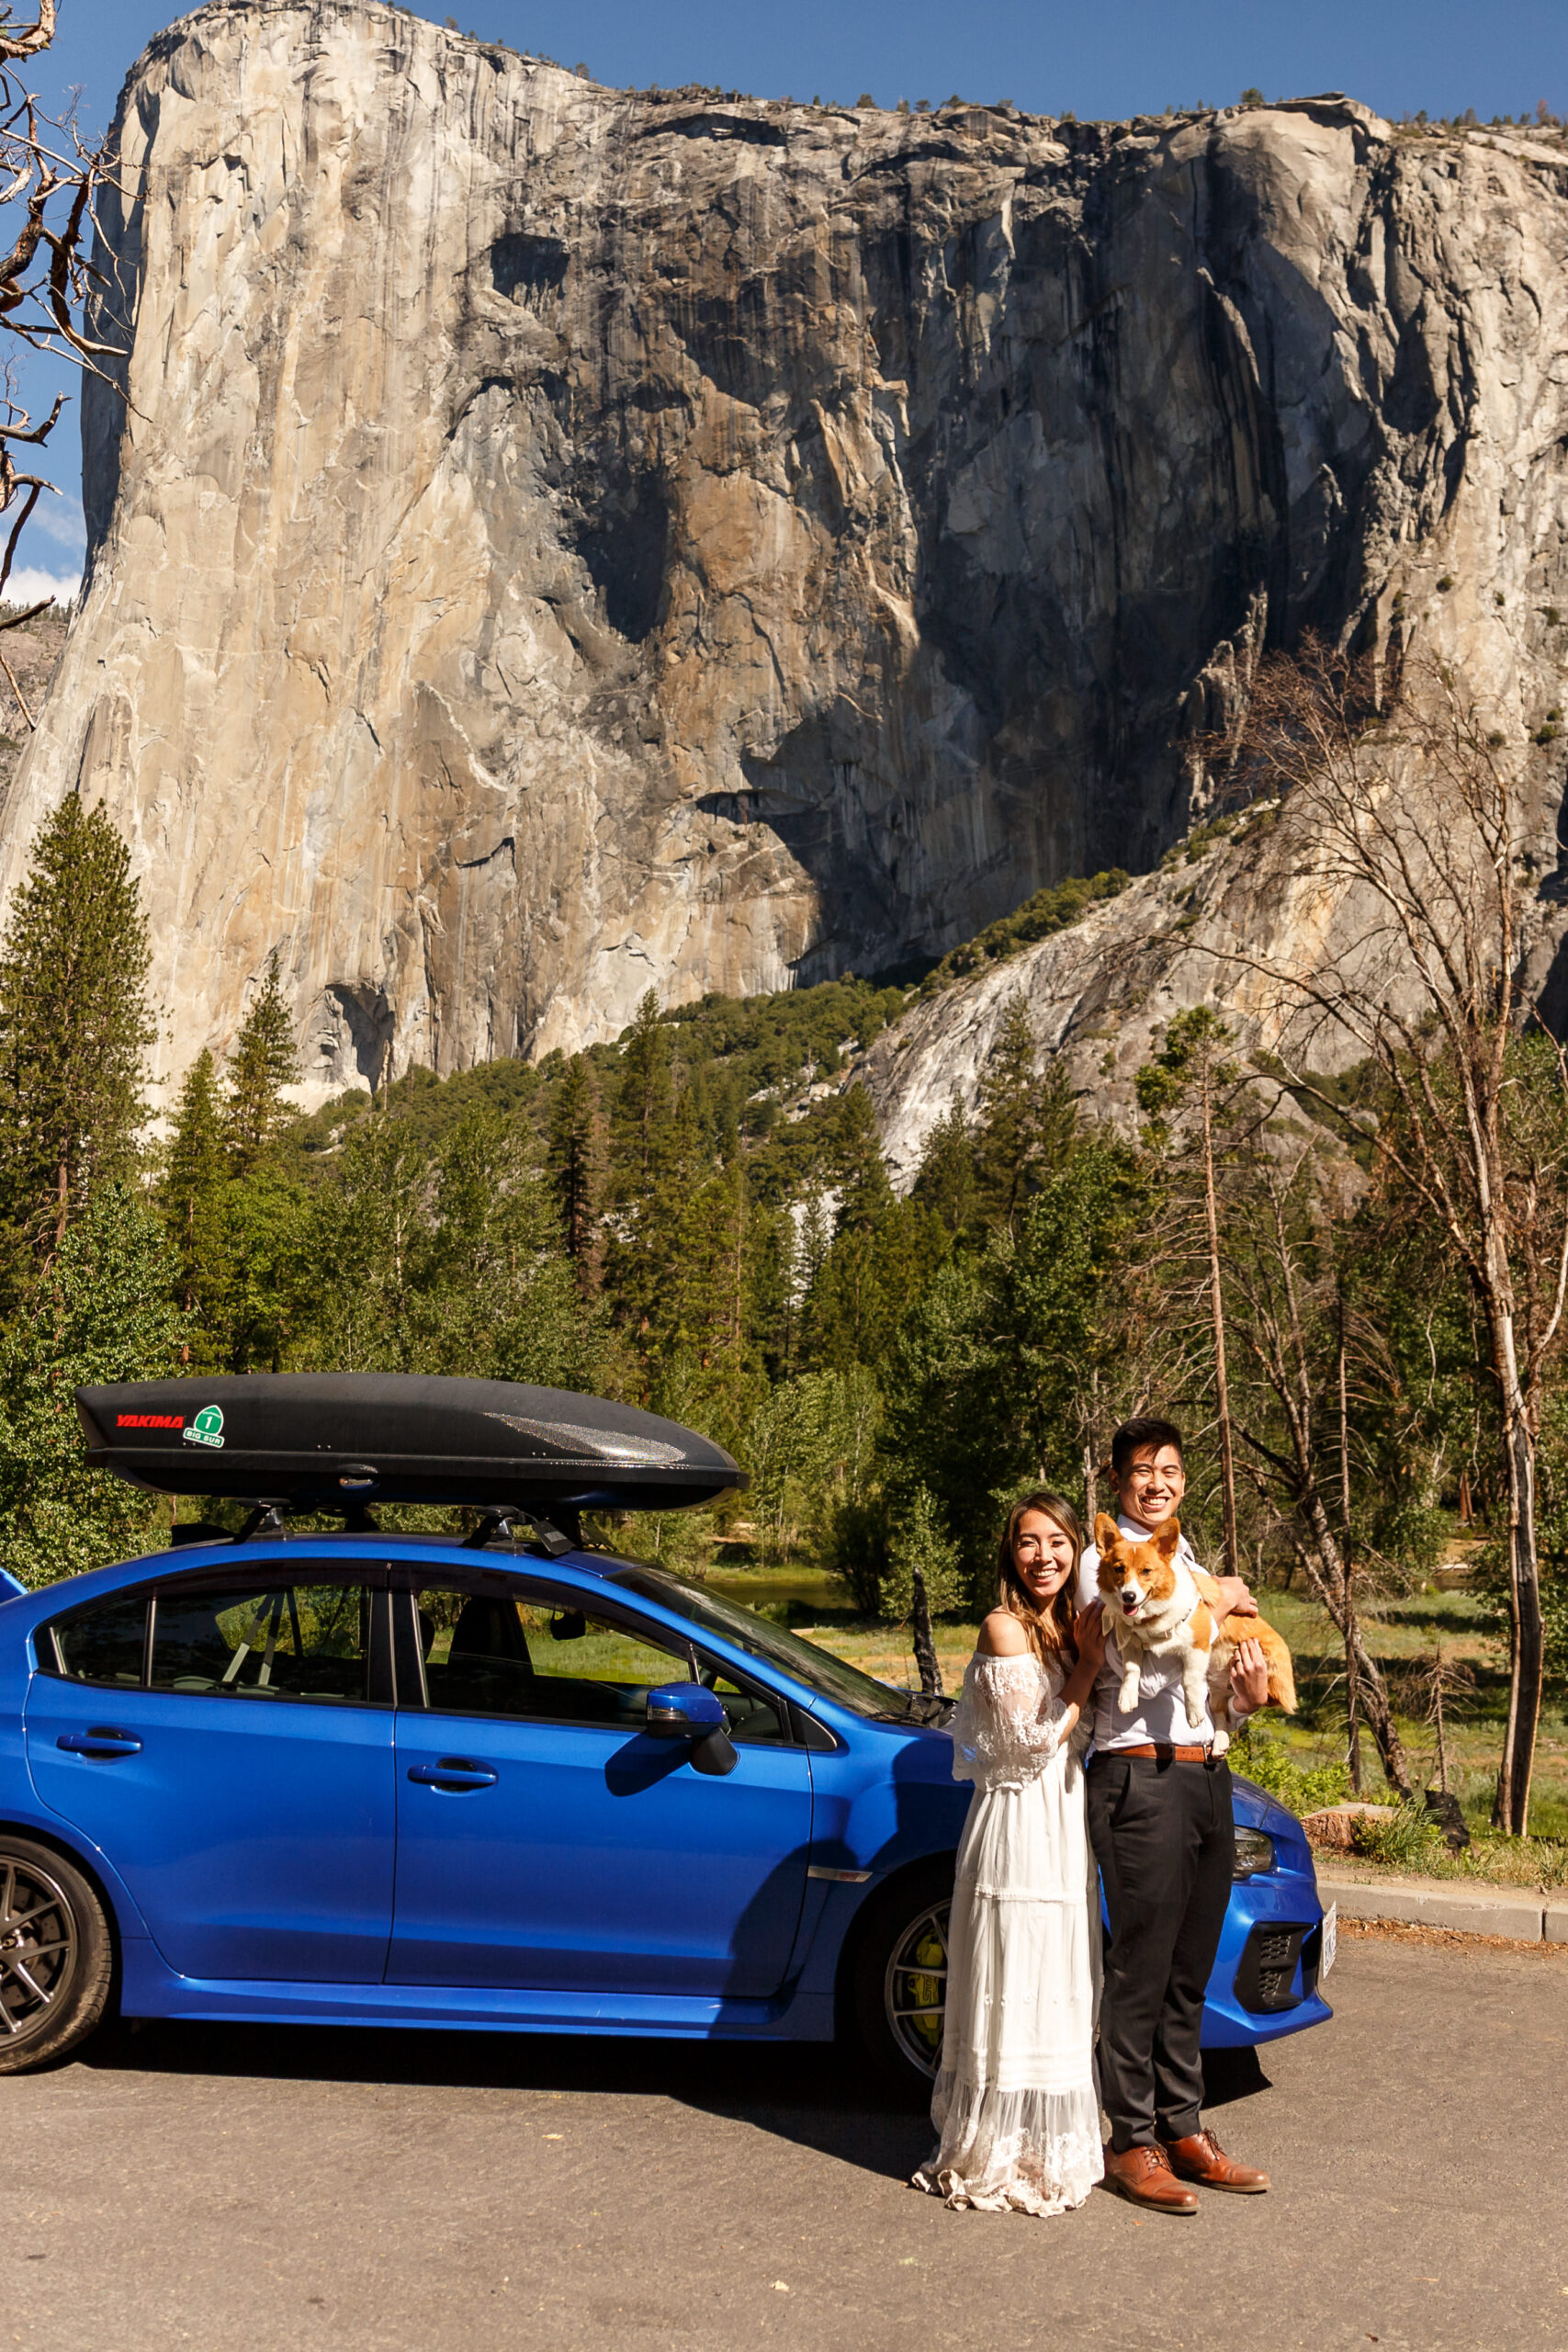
(317, 1440)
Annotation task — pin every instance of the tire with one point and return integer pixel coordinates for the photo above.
(900, 1980)
(56, 1955)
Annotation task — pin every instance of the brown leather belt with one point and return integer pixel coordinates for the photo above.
(1162, 1752)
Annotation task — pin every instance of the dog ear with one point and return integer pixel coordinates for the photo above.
(1166, 1539)
(1106, 1533)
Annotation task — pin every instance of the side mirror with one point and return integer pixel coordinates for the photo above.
(686, 1711)
(567, 1625)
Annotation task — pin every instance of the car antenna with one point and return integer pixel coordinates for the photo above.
(496, 1526)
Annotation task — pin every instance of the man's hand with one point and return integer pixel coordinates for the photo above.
(1232, 1598)
(1250, 1675)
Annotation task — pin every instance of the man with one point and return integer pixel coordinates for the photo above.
(1159, 1817)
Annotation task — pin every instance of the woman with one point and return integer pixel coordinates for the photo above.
(1015, 2102)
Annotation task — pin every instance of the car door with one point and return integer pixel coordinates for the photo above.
(226, 1742)
(546, 1840)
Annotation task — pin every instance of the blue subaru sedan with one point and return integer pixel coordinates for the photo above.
(505, 1783)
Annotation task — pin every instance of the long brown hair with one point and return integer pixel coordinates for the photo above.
(1050, 1629)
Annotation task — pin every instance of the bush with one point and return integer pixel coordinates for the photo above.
(855, 1547)
(1410, 1841)
(1301, 1787)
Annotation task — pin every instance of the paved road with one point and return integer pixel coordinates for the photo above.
(295, 2189)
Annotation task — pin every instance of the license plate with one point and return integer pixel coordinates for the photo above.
(1330, 1939)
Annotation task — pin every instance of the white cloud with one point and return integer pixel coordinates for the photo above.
(61, 519)
(29, 585)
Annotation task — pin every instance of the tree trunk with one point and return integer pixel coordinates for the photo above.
(1216, 1299)
(1090, 1462)
(1352, 1692)
(1511, 1811)
(925, 1646)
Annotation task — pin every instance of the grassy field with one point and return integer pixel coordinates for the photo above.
(1405, 1635)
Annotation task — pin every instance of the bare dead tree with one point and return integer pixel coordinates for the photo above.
(1196, 1073)
(1416, 815)
(1293, 1346)
(48, 179)
(1347, 1555)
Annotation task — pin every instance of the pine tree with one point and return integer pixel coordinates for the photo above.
(75, 1024)
(946, 1179)
(864, 1193)
(645, 1101)
(1009, 1093)
(100, 1310)
(262, 1062)
(193, 1197)
(576, 1169)
(1027, 1122)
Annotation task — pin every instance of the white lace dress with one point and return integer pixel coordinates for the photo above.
(1015, 2102)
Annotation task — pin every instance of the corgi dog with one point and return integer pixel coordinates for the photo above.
(1157, 1608)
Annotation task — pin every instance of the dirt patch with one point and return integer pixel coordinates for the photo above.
(1401, 1931)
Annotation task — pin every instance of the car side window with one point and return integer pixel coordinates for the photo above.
(304, 1642)
(756, 1719)
(103, 1642)
(486, 1654)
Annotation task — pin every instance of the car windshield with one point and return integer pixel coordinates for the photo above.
(818, 1668)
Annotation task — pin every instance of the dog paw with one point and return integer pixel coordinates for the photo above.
(1221, 1741)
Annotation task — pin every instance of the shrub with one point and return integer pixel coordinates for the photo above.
(1301, 1787)
(1410, 1841)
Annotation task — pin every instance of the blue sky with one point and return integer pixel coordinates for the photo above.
(1117, 58)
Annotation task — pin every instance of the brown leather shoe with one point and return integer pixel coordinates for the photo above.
(1200, 2157)
(1143, 2177)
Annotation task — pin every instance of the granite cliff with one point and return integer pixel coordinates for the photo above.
(549, 541)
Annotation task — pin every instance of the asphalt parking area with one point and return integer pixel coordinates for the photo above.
(283, 2187)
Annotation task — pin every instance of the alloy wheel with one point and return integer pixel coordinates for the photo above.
(38, 1948)
(915, 1987)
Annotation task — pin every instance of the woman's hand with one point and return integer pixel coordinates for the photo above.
(1249, 1677)
(1089, 1636)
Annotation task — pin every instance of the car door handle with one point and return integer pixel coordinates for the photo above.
(454, 1773)
(99, 1741)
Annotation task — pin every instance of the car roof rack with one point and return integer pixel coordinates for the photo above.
(340, 1442)
(498, 1525)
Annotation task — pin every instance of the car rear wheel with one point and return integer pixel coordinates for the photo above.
(56, 1958)
(900, 1980)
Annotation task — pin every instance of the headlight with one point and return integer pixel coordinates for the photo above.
(1254, 1852)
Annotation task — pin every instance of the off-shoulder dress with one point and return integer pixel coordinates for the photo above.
(1015, 2102)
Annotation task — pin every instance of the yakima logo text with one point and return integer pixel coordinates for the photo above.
(149, 1421)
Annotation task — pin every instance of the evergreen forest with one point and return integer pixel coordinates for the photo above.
(697, 1217)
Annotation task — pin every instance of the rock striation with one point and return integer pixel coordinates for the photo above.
(549, 541)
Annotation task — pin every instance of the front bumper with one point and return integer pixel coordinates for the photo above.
(1265, 1981)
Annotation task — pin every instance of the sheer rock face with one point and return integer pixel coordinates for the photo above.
(559, 542)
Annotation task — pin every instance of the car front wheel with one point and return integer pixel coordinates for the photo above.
(900, 1979)
(56, 1958)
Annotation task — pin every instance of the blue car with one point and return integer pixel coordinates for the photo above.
(503, 1783)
